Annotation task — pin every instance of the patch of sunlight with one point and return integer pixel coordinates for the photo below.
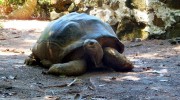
(162, 71)
(24, 25)
(151, 56)
(142, 16)
(131, 78)
(7, 51)
(1, 68)
(177, 48)
(147, 2)
(30, 41)
(20, 65)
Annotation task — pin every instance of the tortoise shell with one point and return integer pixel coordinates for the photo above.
(62, 40)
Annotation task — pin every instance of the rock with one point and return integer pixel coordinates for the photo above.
(61, 5)
(171, 3)
(174, 31)
(72, 7)
(139, 4)
(114, 4)
(158, 21)
(54, 15)
(136, 33)
(28, 9)
(148, 17)
(105, 14)
(130, 29)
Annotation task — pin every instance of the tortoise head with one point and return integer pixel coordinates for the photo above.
(94, 51)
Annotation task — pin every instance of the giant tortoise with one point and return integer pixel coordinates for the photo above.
(76, 43)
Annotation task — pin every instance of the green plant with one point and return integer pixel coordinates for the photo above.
(1, 26)
(1, 2)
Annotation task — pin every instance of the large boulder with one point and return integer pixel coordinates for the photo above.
(145, 17)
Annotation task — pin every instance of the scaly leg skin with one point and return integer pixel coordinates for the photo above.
(72, 68)
(117, 61)
(94, 51)
(31, 60)
(46, 63)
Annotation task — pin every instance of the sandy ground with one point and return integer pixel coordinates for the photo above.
(156, 75)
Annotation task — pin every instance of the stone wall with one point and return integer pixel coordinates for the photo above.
(133, 18)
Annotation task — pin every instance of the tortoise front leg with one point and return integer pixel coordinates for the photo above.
(112, 58)
(72, 68)
(46, 63)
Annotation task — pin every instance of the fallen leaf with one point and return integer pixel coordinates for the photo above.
(92, 86)
(102, 85)
(8, 94)
(13, 50)
(135, 45)
(51, 98)
(12, 77)
(2, 39)
(163, 80)
(17, 36)
(13, 33)
(113, 78)
(147, 68)
(163, 71)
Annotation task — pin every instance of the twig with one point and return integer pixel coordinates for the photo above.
(62, 85)
(92, 87)
(72, 82)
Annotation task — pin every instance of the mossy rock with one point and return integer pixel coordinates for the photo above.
(139, 4)
(158, 21)
(136, 4)
(174, 31)
(136, 33)
(175, 4)
(1, 26)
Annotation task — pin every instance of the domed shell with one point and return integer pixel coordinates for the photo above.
(65, 35)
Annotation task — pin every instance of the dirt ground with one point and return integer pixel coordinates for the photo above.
(156, 75)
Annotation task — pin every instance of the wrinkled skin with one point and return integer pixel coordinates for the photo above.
(76, 43)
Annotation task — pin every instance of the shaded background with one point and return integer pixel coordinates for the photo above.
(129, 18)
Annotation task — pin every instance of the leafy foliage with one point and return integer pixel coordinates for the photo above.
(1, 2)
(27, 8)
(42, 9)
(1, 26)
(41, 2)
(16, 2)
